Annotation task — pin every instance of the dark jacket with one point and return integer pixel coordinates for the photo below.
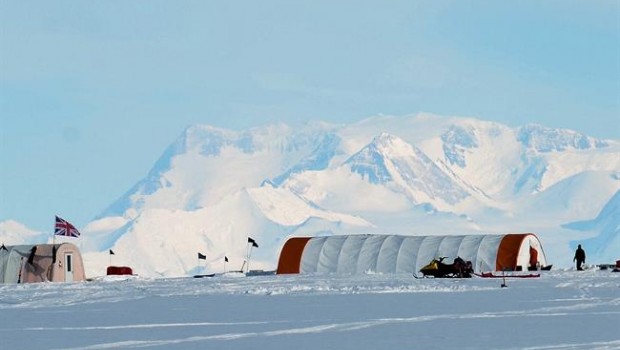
(580, 255)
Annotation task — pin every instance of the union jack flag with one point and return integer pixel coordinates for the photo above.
(64, 228)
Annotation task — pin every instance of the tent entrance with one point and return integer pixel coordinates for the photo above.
(68, 267)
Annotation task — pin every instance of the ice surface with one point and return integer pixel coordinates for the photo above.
(565, 310)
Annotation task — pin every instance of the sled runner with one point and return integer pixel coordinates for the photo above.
(492, 275)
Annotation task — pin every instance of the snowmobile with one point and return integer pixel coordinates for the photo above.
(438, 269)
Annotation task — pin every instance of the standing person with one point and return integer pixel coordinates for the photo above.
(533, 259)
(580, 257)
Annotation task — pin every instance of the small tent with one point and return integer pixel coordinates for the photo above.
(41, 263)
(351, 254)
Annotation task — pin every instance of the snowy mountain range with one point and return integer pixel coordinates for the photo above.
(422, 174)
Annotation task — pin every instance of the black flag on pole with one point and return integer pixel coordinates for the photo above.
(111, 252)
(225, 258)
(254, 244)
(201, 256)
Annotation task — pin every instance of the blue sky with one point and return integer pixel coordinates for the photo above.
(91, 93)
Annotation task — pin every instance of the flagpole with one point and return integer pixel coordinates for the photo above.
(54, 243)
(51, 268)
(201, 257)
(54, 232)
(249, 254)
(245, 261)
(2, 249)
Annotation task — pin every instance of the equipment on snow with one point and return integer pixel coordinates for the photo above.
(492, 275)
(459, 268)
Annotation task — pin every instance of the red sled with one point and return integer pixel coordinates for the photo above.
(119, 270)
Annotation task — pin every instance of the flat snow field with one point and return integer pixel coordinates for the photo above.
(559, 310)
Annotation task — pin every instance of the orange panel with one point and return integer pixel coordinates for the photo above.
(508, 251)
(290, 257)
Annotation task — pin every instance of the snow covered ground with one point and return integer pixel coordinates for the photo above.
(559, 310)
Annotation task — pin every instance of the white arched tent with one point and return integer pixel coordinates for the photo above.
(352, 254)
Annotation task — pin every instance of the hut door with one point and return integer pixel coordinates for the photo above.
(68, 267)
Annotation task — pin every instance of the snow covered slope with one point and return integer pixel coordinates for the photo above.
(606, 228)
(421, 174)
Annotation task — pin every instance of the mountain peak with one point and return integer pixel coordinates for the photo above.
(390, 145)
(390, 159)
(370, 161)
(371, 165)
